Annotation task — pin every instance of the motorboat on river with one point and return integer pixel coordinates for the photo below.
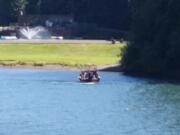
(89, 76)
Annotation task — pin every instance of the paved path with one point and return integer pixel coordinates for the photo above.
(53, 41)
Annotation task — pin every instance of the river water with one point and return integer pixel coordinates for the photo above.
(40, 102)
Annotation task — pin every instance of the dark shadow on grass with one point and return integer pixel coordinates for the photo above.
(114, 68)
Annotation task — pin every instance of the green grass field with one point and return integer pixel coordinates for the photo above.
(76, 55)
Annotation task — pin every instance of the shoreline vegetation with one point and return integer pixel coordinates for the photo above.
(60, 56)
(153, 48)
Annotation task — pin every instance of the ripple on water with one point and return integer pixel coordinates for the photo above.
(54, 103)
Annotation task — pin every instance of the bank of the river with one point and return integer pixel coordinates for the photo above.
(59, 56)
(109, 68)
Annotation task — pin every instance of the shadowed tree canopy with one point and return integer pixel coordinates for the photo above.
(105, 13)
(155, 38)
(19, 7)
(5, 12)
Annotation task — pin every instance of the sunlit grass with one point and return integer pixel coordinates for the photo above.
(63, 54)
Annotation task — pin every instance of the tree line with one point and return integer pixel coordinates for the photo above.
(106, 13)
(155, 38)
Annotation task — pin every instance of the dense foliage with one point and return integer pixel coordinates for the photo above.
(155, 38)
(106, 13)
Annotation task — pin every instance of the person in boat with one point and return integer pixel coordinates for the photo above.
(84, 75)
(90, 74)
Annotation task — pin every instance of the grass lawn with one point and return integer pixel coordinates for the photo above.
(65, 54)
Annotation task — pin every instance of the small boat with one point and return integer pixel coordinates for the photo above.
(89, 81)
(89, 76)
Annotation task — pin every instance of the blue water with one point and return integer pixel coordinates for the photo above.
(34, 102)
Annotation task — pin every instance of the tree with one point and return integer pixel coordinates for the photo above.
(34, 7)
(155, 34)
(19, 7)
(5, 12)
(58, 7)
(105, 13)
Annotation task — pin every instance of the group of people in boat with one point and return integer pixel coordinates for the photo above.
(90, 75)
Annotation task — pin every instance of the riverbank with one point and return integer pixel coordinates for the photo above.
(59, 56)
(108, 68)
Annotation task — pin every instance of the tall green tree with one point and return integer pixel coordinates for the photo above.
(56, 7)
(19, 7)
(105, 13)
(154, 46)
(34, 7)
(5, 12)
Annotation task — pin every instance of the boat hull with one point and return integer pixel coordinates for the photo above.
(89, 81)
